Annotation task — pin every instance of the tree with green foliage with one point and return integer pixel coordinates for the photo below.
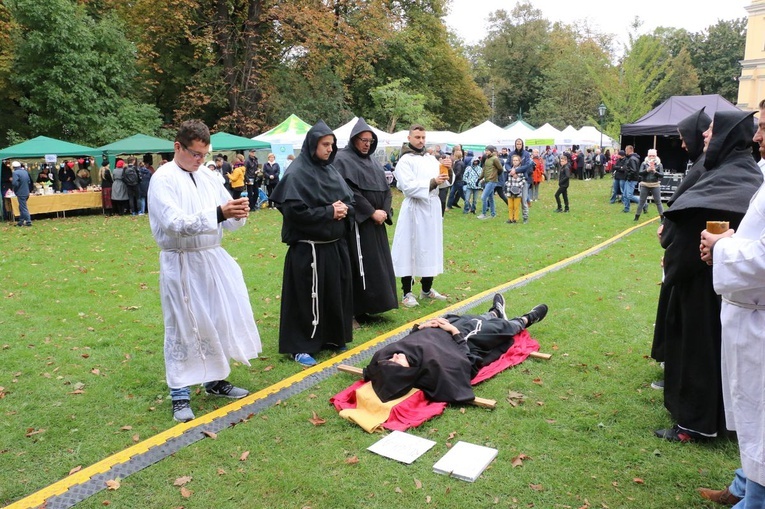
(515, 52)
(571, 90)
(396, 102)
(77, 74)
(716, 52)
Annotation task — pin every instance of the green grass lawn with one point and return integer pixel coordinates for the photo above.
(83, 375)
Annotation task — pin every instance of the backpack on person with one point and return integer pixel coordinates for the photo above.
(130, 176)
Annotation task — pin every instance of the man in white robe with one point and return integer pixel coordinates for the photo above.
(206, 308)
(418, 246)
(738, 262)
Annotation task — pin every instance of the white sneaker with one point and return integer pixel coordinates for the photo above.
(432, 294)
(482, 216)
(409, 300)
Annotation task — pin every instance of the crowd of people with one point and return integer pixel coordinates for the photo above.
(339, 268)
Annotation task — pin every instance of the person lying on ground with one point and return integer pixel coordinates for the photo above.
(442, 355)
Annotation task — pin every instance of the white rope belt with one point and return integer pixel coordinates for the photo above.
(181, 251)
(745, 305)
(315, 281)
(361, 258)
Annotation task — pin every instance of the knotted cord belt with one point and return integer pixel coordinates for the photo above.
(361, 258)
(185, 287)
(315, 281)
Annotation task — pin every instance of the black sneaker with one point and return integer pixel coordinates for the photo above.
(182, 410)
(536, 315)
(227, 390)
(498, 306)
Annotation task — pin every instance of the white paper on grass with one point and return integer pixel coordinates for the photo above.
(401, 447)
(465, 461)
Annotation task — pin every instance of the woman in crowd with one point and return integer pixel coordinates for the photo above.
(45, 176)
(82, 181)
(144, 173)
(236, 177)
(119, 189)
(271, 172)
(651, 173)
(105, 176)
(66, 176)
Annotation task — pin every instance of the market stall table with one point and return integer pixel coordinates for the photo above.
(55, 203)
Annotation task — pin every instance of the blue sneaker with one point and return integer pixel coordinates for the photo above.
(304, 359)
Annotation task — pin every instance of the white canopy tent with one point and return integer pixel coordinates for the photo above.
(589, 136)
(520, 130)
(487, 133)
(544, 135)
(343, 134)
(431, 138)
(568, 136)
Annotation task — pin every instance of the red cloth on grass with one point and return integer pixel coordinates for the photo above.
(416, 409)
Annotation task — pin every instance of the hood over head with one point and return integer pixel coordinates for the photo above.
(317, 132)
(692, 128)
(732, 132)
(360, 127)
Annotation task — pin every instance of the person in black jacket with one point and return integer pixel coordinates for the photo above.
(458, 187)
(564, 176)
(252, 180)
(651, 173)
(271, 173)
(631, 177)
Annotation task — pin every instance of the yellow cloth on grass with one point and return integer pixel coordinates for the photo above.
(370, 412)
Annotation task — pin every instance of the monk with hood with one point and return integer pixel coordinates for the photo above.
(374, 283)
(317, 291)
(692, 384)
(691, 130)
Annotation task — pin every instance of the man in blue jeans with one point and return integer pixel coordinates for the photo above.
(490, 176)
(631, 178)
(21, 183)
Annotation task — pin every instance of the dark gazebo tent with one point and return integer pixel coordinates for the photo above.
(658, 128)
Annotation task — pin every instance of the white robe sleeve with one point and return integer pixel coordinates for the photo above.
(739, 264)
(412, 183)
(739, 261)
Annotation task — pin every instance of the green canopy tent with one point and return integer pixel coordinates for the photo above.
(290, 132)
(226, 141)
(136, 144)
(40, 147)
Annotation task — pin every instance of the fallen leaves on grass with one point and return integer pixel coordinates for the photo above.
(185, 492)
(518, 460)
(417, 483)
(182, 481)
(244, 456)
(113, 484)
(536, 487)
(515, 398)
(75, 469)
(638, 480)
(210, 434)
(352, 460)
(316, 420)
(33, 431)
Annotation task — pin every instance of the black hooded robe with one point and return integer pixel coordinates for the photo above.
(374, 289)
(692, 377)
(691, 129)
(442, 365)
(305, 196)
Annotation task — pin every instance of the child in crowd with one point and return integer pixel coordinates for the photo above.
(472, 187)
(514, 190)
(538, 175)
(564, 175)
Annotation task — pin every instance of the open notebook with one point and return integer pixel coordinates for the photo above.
(465, 461)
